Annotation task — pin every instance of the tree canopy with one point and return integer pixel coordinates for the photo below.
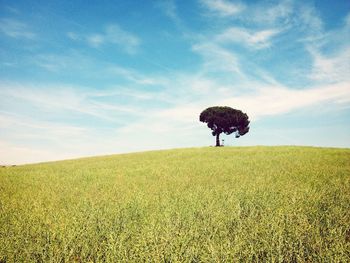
(223, 119)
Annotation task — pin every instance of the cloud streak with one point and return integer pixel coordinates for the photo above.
(217, 58)
(254, 39)
(16, 29)
(222, 8)
(335, 68)
(112, 34)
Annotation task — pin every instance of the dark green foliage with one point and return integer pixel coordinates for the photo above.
(225, 120)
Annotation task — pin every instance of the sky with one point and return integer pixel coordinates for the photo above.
(84, 78)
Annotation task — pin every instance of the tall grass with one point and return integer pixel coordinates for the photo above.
(231, 204)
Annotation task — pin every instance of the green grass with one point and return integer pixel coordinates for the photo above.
(228, 204)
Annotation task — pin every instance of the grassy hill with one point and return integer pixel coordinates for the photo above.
(241, 204)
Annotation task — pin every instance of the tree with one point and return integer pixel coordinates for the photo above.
(225, 120)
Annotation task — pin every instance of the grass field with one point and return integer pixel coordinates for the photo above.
(228, 204)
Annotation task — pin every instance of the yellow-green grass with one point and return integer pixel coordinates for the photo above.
(227, 204)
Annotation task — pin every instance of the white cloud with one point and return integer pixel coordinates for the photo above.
(112, 34)
(61, 100)
(269, 13)
(12, 10)
(179, 125)
(331, 55)
(136, 77)
(279, 100)
(310, 19)
(331, 68)
(49, 129)
(53, 62)
(169, 9)
(95, 40)
(116, 35)
(347, 20)
(73, 36)
(217, 58)
(265, 101)
(223, 7)
(167, 127)
(260, 13)
(254, 39)
(16, 29)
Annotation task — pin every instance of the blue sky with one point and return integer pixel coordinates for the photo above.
(83, 78)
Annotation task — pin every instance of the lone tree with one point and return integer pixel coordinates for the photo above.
(225, 120)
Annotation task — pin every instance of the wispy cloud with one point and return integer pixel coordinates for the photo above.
(136, 77)
(169, 8)
(112, 34)
(12, 10)
(180, 123)
(331, 68)
(266, 100)
(222, 7)
(73, 36)
(115, 35)
(16, 29)
(50, 129)
(74, 62)
(96, 40)
(269, 12)
(330, 54)
(57, 100)
(280, 100)
(255, 39)
(310, 20)
(217, 58)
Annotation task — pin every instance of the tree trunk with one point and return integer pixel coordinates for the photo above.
(217, 140)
